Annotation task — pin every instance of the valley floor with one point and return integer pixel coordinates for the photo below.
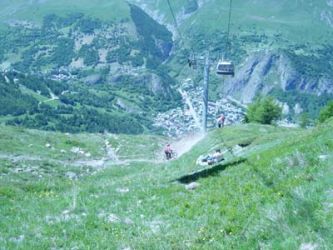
(273, 191)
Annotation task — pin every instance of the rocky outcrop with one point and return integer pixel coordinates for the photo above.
(157, 86)
(263, 71)
(93, 79)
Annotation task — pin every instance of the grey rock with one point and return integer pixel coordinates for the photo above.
(192, 186)
(93, 79)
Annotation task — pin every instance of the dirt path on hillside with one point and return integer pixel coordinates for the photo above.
(111, 157)
(181, 146)
(191, 108)
(186, 143)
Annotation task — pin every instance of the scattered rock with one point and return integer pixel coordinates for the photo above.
(155, 226)
(62, 151)
(17, 239)
(77, 150)
(192, 186)
(308, 246)
(64, 217)
(93, 79)
(126, 248)
(48, 145)
(128, 221)
(71, 175)
(101, 214)
(323, 157)
(122, 190)
(66, 212)
(112, 218)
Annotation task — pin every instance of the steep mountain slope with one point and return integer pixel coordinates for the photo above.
(272, 192)
(36, 102)
(104, 67)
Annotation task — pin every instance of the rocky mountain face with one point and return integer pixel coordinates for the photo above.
(265, 71)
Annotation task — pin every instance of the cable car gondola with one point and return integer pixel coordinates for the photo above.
(225, 68)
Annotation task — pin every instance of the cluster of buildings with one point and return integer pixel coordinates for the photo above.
(189, 117)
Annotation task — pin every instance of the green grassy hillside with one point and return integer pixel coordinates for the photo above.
(273, 192)
(296, 21)
(35, 10)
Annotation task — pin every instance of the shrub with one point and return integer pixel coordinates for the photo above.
(304, 120)
(263, 110)
(326, 112)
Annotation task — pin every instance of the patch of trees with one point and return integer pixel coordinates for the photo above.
(232, 48)
(264, 111)
(56, 87)
(78, 111)
(137, 60)
(63, 53)
(315, 65)
(38, 84)
(48, 46)
(12, 101)
(90, 55)
(79, 120)
(88, 25)
(53, 22)
(2, 54)
(120, 55)
(191, 6)
(84, 97)
(326, 112)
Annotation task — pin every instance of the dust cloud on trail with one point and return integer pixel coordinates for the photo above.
(186, 143)
(191, 108)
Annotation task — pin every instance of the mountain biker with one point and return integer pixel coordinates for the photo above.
(220, 121)
(168, 151)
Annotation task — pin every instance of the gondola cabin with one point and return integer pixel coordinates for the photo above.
(225, 68)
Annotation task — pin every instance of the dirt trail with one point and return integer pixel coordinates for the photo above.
(180, 146)
(191, 108)
(111, 157)
(186, 143)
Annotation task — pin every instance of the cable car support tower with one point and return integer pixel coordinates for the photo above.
(223, 67)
